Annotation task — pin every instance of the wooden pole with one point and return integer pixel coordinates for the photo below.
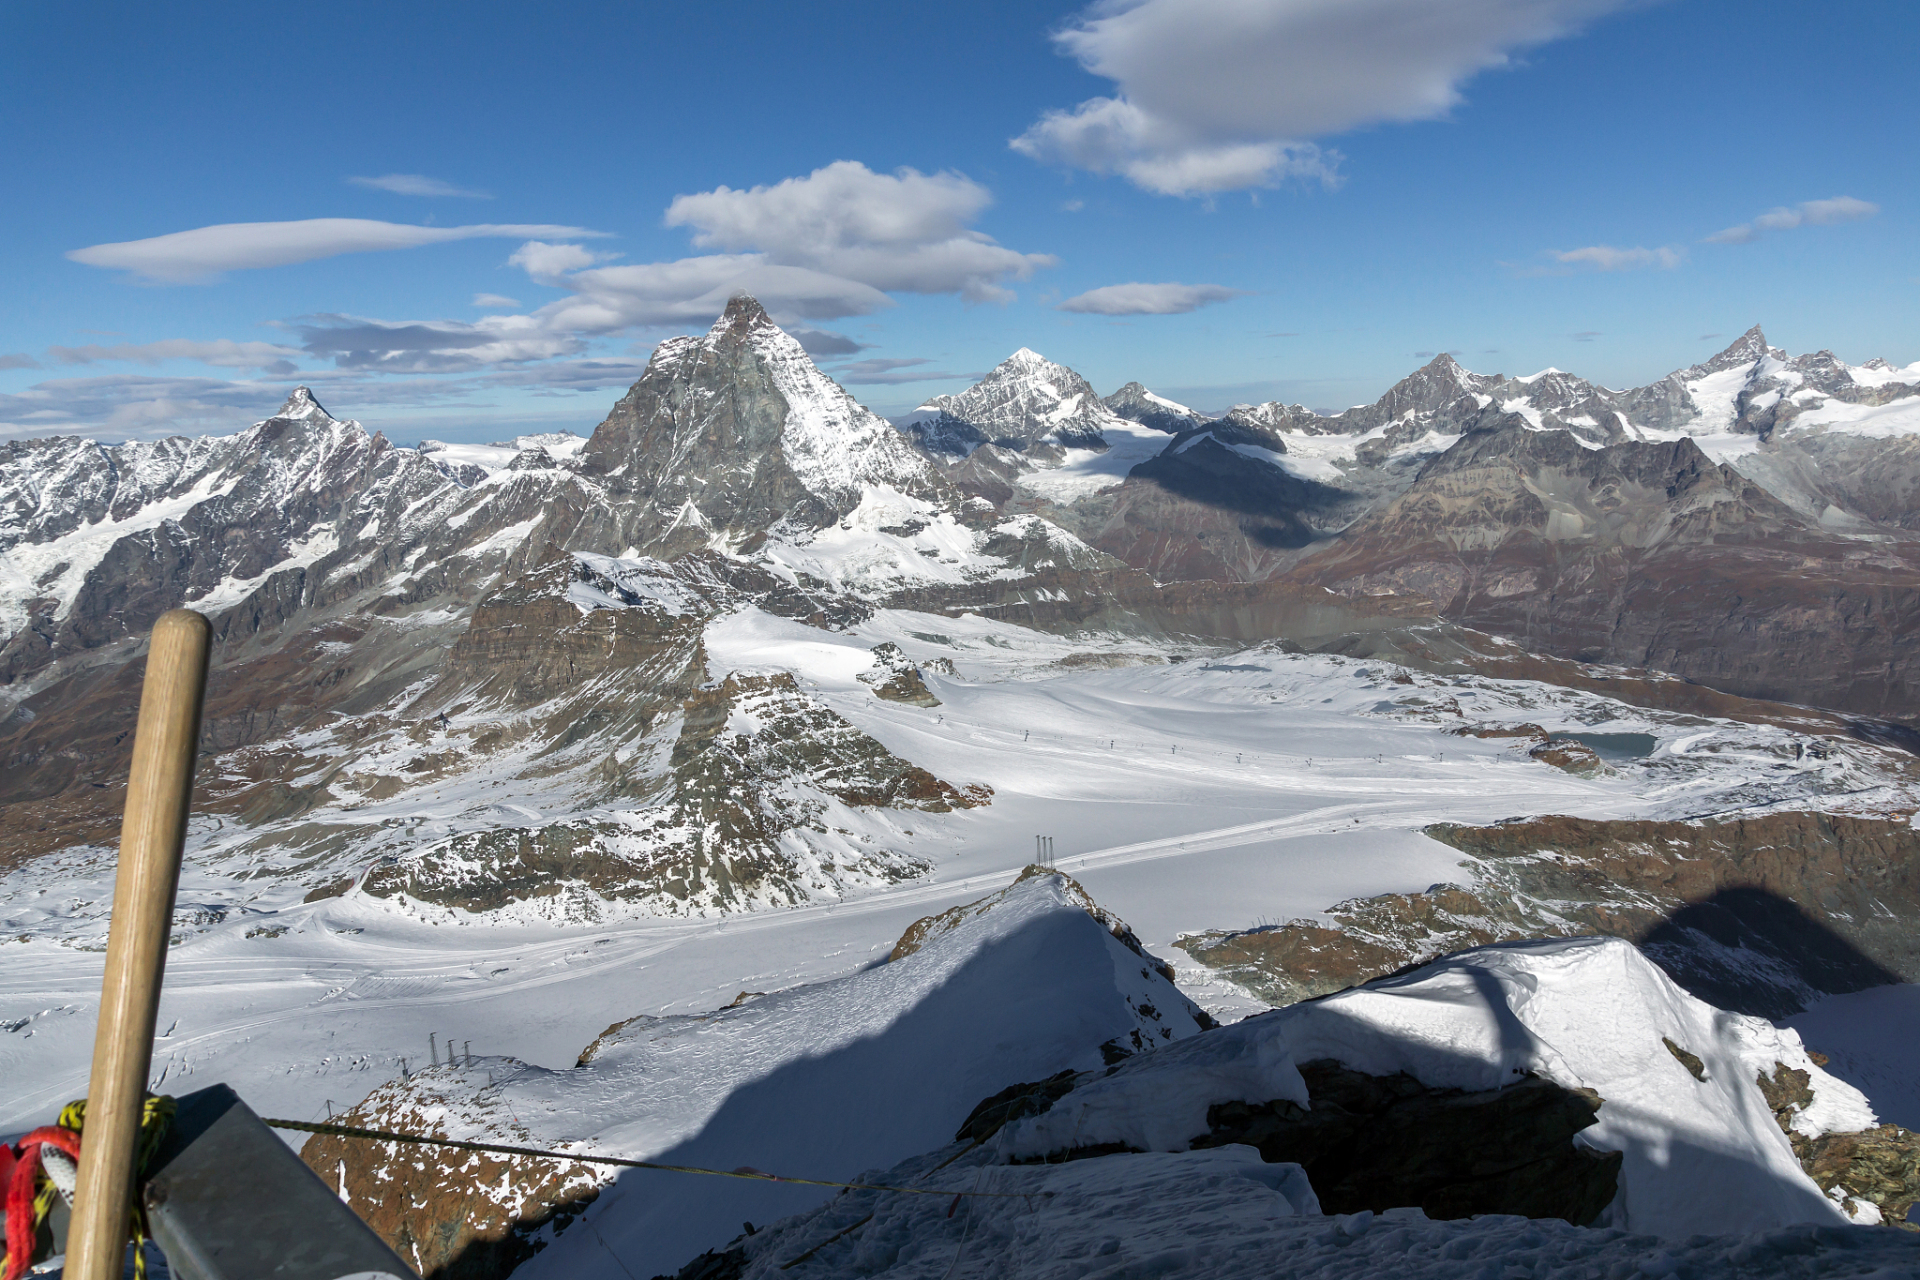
(151, 836)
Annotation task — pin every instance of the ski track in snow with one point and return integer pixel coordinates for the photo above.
(1204, 794)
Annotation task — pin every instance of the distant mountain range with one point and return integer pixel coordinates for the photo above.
(1748, 523)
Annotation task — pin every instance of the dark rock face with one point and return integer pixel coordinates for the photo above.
(1380, 1142)
(1644, 555)
(1759, 915)
(1202, 510)
(730, 434)
(1136, 404)
(1384, 1142)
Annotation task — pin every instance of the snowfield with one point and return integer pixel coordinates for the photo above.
(1222, 1215)
(1217, 791)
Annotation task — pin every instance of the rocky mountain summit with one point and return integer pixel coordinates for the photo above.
(1137, 404)
(1026, 400)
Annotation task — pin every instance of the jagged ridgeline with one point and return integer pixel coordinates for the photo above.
(528, 620)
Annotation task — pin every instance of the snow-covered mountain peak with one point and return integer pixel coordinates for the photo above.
(1744, 350)
(742, 425)
(301, 404)
(1023, 400)
(1137, 404)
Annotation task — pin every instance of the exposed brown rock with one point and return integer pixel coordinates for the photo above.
(452, 1214)
(1569, 755)
(1690, 1061)
(1758, 914)
(1383, 1142)
(1643, 554)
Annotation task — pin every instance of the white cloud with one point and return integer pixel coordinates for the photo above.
(417, 184)
(18, 360)
(895, 372)
(1602, 257)
(904, 232)
(434, 346)
(1149, 299)
(220, 353)
(202, 254)
(832, 244)
(1808, 213)
(1218, 95)
(546, 263)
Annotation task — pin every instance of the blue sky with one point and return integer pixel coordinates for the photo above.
(1322, 193)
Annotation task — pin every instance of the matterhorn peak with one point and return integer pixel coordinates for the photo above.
(301, 404)
(743, 314)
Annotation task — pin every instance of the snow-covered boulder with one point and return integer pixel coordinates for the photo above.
(1678, 1080)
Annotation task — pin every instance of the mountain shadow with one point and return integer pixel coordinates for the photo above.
(1755, 952)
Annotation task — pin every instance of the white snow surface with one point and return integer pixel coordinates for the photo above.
(1087, 471)
(1881, 421)
(1872, 1041)
(859, 554)
(823, 1081)
(835, 445)
(1700, 1156)
(1222, 1214)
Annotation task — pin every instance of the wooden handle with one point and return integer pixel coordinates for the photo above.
(151, 837)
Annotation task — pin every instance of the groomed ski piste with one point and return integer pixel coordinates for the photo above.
(1187, 789)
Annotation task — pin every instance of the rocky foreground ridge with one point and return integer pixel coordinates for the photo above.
(1534, 1097)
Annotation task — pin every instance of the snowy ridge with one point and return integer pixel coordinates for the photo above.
(830, 1078)
(836, 446)
(1586, 1013)
(1026, 399)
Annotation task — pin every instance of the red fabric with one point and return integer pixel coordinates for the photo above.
(26, 1170)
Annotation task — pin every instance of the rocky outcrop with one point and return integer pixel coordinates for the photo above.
(1137, 404)
(742, 819)
(466, 1215)
(1382, 1142)
(731, 434)
(895, 678)
(1880, 1165)
(1755, 914)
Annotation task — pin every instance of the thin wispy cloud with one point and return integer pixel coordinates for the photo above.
(1808, 213)
(18, 360)
(1167, 299)
(1605, 257)
(205, 253)
(495, 300)
(221, 353)
(1221, 95)
(819, 343)
(896, 371)
(418, 184)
